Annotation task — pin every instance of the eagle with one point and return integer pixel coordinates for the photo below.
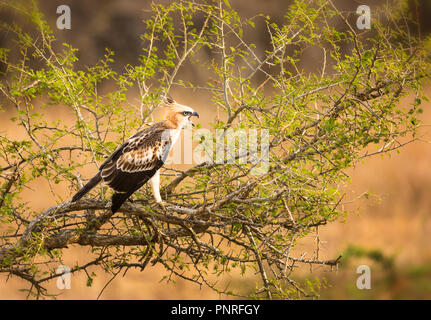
(140, 157)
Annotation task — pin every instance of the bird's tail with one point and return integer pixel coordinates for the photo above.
(118, 199)
(85, 189)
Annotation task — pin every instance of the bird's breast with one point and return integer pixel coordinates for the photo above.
(174, 135)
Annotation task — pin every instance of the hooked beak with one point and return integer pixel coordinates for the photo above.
(195, 114)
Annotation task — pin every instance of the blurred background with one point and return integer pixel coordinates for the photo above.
(389, 230)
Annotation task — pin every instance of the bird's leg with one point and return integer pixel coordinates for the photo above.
(155, 186)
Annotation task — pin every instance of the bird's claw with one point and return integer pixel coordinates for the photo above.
(162, 205)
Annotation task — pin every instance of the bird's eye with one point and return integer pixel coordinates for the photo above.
(186, 113)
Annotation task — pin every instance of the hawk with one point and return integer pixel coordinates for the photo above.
(140, 157)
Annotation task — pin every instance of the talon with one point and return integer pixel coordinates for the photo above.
(162, 205)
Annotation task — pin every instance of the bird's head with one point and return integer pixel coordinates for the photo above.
(178, 115)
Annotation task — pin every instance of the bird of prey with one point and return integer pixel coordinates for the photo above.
(140, 157)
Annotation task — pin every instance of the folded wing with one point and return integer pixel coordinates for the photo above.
(136, 160)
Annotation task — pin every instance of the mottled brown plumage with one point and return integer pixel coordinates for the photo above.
(140, 157)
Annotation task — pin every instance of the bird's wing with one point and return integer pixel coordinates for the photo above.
(143, 153)
(137, 159)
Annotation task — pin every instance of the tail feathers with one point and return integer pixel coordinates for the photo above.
(118, 199)
(85, 189)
